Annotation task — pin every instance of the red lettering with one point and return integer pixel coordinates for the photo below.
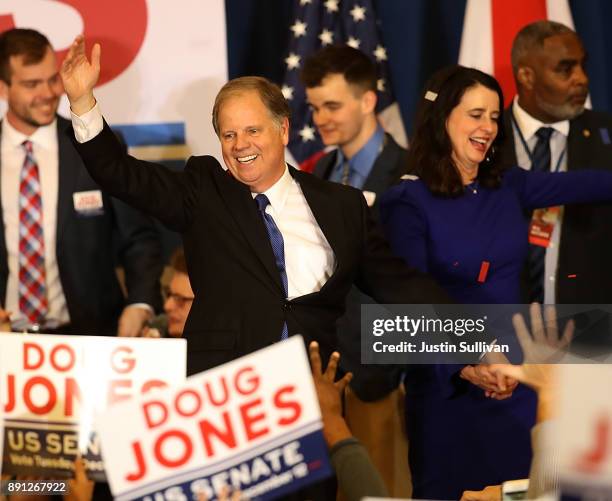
(226, 436)
(248, 385)
(72, 391)
(211, 398)
(51, 395)
(158, 448)
(7, 22)
(250, 420)
(125, 364)
(153, 383)
(184, 410)
(140, 463)
(100, 23)
(113, 395)
(54, 354)
(292, 405)
(148, 409)
(10, 404)
(28, 349)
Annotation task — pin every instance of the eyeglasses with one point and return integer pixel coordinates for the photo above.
(179, 299)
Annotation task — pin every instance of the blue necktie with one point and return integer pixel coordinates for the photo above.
(278, 246)
(536, 258)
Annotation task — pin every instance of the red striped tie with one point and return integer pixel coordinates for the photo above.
(32, 286)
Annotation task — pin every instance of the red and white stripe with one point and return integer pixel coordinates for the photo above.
(489, 27)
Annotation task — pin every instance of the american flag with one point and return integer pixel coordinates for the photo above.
(332, 22)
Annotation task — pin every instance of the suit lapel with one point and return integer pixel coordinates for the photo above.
(323, 168)
(580, 148)
(508, 153)
(382, 170)
(68, 172)
(328, 220)
(244, 212)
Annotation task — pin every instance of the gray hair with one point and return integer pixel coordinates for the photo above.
(532, 37)
(269, 93)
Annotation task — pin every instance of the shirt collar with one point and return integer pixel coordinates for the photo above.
(363, 161)
(45, 136)
(529, 125)
(279, 191)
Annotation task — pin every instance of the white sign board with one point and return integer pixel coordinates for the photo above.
(253, 423)
(51, 387)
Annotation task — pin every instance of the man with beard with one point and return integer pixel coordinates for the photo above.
(57, 228)
(549, 128)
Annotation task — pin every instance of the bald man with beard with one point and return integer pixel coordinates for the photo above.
(548, 61)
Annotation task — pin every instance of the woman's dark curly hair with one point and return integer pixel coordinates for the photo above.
(431, 148)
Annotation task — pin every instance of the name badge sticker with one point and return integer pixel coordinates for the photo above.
(88, 203)
(542, 225)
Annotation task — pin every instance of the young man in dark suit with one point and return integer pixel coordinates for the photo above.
(340, 84)
(57, 259)
(341, 89)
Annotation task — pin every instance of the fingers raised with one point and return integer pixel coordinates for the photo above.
(315, 358)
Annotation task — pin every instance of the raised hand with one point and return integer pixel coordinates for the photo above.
(329, 393)
(80, 75)
(544, 348)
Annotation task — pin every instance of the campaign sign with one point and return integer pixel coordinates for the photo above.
(253, 424)
(52, 386)
(585, 431)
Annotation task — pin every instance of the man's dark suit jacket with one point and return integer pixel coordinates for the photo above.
(87, 247)
(584, 273)
(370, 382)
(239, 301)
(389, 166)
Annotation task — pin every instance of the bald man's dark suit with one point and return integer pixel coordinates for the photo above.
(586, 233)
(584, 271)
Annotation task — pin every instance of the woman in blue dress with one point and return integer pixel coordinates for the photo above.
(461, 218)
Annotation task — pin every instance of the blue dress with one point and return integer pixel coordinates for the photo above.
(459, 439)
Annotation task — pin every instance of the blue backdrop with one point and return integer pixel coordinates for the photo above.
(420, 35)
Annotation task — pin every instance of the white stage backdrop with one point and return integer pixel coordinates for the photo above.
(163, 63)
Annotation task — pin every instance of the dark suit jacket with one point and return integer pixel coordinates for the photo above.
(390, 165)
(88, 248)
(586, 233)
(370, 382)
(239, 301)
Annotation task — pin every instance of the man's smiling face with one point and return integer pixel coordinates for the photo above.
(252, 142)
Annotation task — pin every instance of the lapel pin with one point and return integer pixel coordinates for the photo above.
(586, 133)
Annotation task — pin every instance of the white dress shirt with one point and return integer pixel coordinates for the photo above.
(558, 161)
(45, 152)
(309, 259)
